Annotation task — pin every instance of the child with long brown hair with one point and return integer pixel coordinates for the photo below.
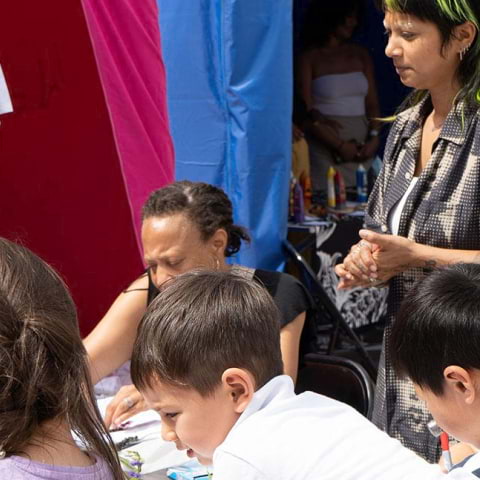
(45, 388)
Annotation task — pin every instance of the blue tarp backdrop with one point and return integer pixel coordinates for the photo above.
(229, 88)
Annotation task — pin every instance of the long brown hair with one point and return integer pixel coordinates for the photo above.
(43, 365)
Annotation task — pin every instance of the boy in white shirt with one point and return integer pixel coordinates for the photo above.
(435, 341)
(207, 359)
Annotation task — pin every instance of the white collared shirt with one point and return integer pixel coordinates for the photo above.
(283, 436)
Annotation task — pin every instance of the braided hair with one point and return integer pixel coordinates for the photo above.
(206, 206)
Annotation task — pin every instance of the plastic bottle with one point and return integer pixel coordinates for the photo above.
(298, 207)
(362, 184)
(307, 191)
(331, 200)
(340, 195)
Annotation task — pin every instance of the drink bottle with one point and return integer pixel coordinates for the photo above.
(362, 184)
(331, 200)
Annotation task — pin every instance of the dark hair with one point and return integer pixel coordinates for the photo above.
(203, 323)
(44, 372)
(205, 205)
(438, 326)
(446, 16)
(323, 17)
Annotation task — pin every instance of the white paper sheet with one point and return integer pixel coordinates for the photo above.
(5, 100)
(156, 453)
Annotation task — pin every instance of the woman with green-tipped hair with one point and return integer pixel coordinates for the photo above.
(424, 210)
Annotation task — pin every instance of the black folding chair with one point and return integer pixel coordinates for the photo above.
(339, 378)
(328, 319)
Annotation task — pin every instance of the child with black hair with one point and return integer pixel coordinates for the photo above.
(436, 342)
(207, 359)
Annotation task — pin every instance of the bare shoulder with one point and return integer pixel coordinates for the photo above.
(361, 52)
(141, 283)
(365, 57)
(131, 299)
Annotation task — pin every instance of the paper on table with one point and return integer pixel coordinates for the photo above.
(5, 100)
(155, 452)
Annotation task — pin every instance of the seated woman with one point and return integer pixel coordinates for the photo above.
(45, 388)
(337, 83)
(188, 225)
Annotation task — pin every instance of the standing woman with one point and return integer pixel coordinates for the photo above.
(337, 84)
(424, 210)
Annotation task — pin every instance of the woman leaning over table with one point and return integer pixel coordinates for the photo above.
(424, 210)
(189, 225)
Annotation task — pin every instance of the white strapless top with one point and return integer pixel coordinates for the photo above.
(341, 94)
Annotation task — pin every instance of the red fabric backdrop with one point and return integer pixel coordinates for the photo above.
(62, 192)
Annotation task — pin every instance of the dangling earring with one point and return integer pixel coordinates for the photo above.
(217, 263)
(463, 52)
(3, 453)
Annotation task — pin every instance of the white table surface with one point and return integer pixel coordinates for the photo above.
(157, 454)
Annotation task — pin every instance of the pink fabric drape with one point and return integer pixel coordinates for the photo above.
(87, 140)
(126, 41)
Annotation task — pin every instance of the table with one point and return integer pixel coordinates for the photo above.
(160, 475)
(335, 234)
(157, 454)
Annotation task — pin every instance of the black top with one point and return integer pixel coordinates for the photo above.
(290, 296)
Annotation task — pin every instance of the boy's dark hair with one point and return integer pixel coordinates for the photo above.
(206, 206)
(44, 372)
(438, 325)
(203, 323)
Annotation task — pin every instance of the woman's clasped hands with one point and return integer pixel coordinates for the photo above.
(375, 259)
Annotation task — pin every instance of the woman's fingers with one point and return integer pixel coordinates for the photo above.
(368, 265)
(122, 405)
(345, 284)
(342, 273)
(360, 261)
(140, 406)
(358, 268)
(353, 265)
(340, 270)
(347, 272)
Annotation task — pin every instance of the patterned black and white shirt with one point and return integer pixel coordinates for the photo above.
(442, 210)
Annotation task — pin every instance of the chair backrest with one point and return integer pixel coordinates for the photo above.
(338, 378)
(327, 314)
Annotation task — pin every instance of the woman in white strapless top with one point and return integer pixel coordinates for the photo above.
(338, 86)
